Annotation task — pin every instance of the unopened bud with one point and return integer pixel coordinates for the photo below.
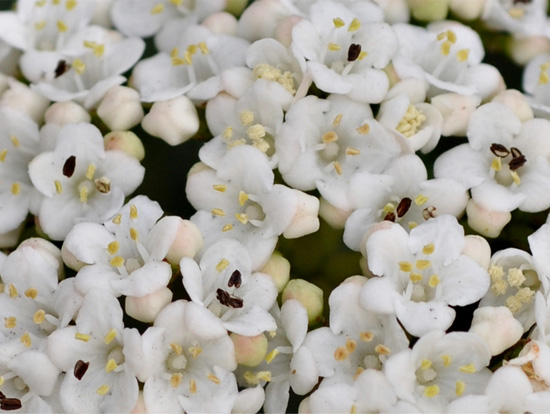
(517, 102)
(305, 220)
(120, 108)
(19, 96)
(467, 10)
(478, 249)
(187, 242)
(10, 238)
(146, 308)
(523, 49)
(334, 216)
(70, 259)
(497, 326)
(309, 295)
(66, 112)
(221, 23)
(125, 141)
(488, 223)
(250, 351)
(456, 110)
(47, 250)
(429, 10)
(279, 269)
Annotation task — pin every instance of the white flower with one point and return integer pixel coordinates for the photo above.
(536, 84)
(422, 274)
(521, 18)
(81, 181)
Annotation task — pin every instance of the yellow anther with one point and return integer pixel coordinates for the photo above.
(412, 224)
(111, 365)
(341, 354)
(514, 304)
(188, 58)
(12, 291)
(525, 295)
(329, 137)
(426, 363)
(3, 154)
(441, 36)
(58, 187)
(176, 348)
(113, 247)
(415, 277)
(446, 48)
(337, 167)
(428, 249)
(420, 199)
(423, 264)
(104, 389)
(389, 207)
(134, 234)
(366, 336)
(228, 133)
(213, 378)
(243, 218)
(337, 120)
(62, 26)
(338, 22)
(15, 188)
(26, 340)
(40, 25)
(333, 47)
(97, 48)
(79, 66)
(192, 386)
(459, 388)
(39, 316)
(382, 349)
(358, 372)
(451, 36)
(364, 129)
(431, 391)
(10, 322)
(353, 409)
(117, 219)
(158, 8)
(90, 171)
(1, 381)
(31, 293)
(175, 379)
(176, 61)
(354, 25)
(222, 265)
(220, 187)
(516, 12)
(515, 177)
(110, 336)
(434, 281)
(251, 378)
(174, 52)
(40, 3)
(256, 132)
(271, 356)
(264, 375)
(82, 337)
(192, 49)
(362, 55)
(243, 198)
(70, 4)
(246, 117)
(227, 227)
(352, 151)
(405, 266)
(543, 77)
(515, 277)
(117, 261)
(496, 164)
(462, 55)
(15, 141)
(83, 194)
(195, 351)
(204, 49)
(218, 212)
(176, 2)
(351, 345)
(133, 212)
(468, 369)
(56, 2)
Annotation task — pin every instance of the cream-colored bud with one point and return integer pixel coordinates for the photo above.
(429, 10)
(221, 23)
(279, 269)
(517, 102)
(260, 19)
(283, 30)
(333, 215)
(487, 222)
(250, 351)
(467, 9)
(304, 408)
(19, 96)
(70, 259)
(395, 11)
(48, 251)
(497, 326)
(307, 294)
(456, 110)
(478, 249)
(146, 308)
(187, 242)
(125, 141)
(11, 238)
(523, 49)
(382, 225)
(305, 220)
(66, 112)
(174, 120)
(120, 108)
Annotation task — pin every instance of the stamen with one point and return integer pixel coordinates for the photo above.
(426, 363)
(341, 354)
(40, 25)
(133, 212)
(113, 247)
(515, 177)
(104, 389)
(69, 166)
(364, 129)
(243, 198)
(3, 154)
(382, 349)
(462, 55)
(62, 26)
(403, 206)
(10, 322)
(496, 164)
(158, 8)
(447, 359)
(329, 137)
(337, 120)
(15, 141)
(431, 391)
(423, 264)
(352, 151)
(39, 316)
(228, 300)
(80, 369)
(117, 261)
(428, 249)
(12, 291)
(103, 185)
(405, 266)
(459, 388)
(26, 340)
(222, 265)
(337, 167)
(118, 218)
(338, 22)
(517, 162)
(10, 404)
(354, 25)
(218, 212)
(499, 150)
(333, 47)
(271, 356)
(235, 279)
(70, 4)
(543, 77)
(420, 199)
(353, 52)
(220, 187)
(243, 218)
(111, 365)
(351, 345)
(246, 117)
(429, 212)
(110, 336)
(134, 234)
(390, 216)
(468, 369)
(415, 277)
(192, 386)
(15, 188)
(227, 227)
(82, 337)
(213, 378)
(366, 336)
(176, 348)
(203, 48)
(446, 48)
(434, 281)
(78, 66)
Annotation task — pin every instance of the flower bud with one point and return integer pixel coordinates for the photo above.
(305, 220)
(250, 351)
(283, 31)
(517, 102)
(429, 10)
(11, 238)
(478, 249)
(497, 326)
(395, 11)
(456, 110)
(467, 10)
(260, 19)
(67, 112)
(488, 223)
(19, 96)
(70, 259)
(523, 49)
(125, 141)
(334, 216)
(279, 269)
(174, 120)
(120, 108)
(309, 295)
(49, 252)
(221, 23)
(146, 308)
(187, 242)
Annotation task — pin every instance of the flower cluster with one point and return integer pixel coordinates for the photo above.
(360, 154)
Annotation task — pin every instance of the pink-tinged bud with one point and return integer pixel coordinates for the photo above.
(146, 308)
(382, 225)
(478, 249)
(279, 269)
(488, 223)
(283, 31)
(467, 10)
(174, 120)
(187, 242)
(67, 112)
(250, 351)
(456, 110)
(260, 19)
(221, 23)
(334, 216)
(497, 326)
(48, 251)
(517, 102)
(523, 49)
(125, 141)
(19, 96)
(11, 238)
(305, 220)
(120, 108)
(309, 295)
(70, 259)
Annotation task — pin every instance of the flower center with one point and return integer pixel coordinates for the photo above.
(522, 284)
(507, 173)
(411, 122)
(271, 73)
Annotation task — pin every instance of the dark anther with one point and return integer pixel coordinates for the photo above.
(515, 152)
(69, 166)
(235, 279)
(10, 404)
(517, 162)
(522, 1)
(61, 68)
(499, 150)
(403, 206)
(353, 52)
(80, 369)
(227, 300)
(2, 395)
(390, 216)
(429, 212)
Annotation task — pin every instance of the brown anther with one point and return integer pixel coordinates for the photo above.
(10, 404)
(429, 212)
(228, 300)
(403, 206)
(61, 68)
(499, 150)
(2, 395)
(103, 185)
(517, 162)
(80, 369)
(521, 1)
(69, 166)
(390, 216)
(353, 52)
(515, 152)
(235, 279)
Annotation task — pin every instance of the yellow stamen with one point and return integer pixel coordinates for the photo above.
(364, 129)
(338, 22)
(362, 55)
(351, 345)
(10, 322)
(133, 212)
(79, 66)
(366, 336)
(31, 293)
(110, 336)
(451, 36)
(426, 363)
(3, 154)
(515, 177)
(188, 58)
(434, 281)
(329, 137)
(195, 351)
(15, 188)
(337, 167)
(83, 194)
(39, 316)
(70, 4)
(213, 378)
(243, 218)
(431, 391)
(175, 380)
(117, 219)
(341, 354)
(428, 249)
(158, 8)
(415, 277)
(97, 48)
(12, 291)
(423, 264)
(333, 47)
(26, 340)
(243, 197)
(15, 141)
(192, 386)
(62, 26)
(447, 359)
(468, 369)
(354, 25)
(40, 25)
(227, 227)
(82, 337)
(352, 151)
(412, 224)
(192, 49)
(382, 349)
(111, 365)
(104, 389)
(218, 212)
(337, 120)
(113, 247)
(117, 261)
(420, 199)
(222, 265)
(134, 234)
(58, 187)
(271, 356)
(264, 375)
(446, 48)
(405, 266)
(90, 171)
(462, 55)
(220, 187)
(204, 49)
(543, 77)
(459, 388)
(176, 348)
(176, 61)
